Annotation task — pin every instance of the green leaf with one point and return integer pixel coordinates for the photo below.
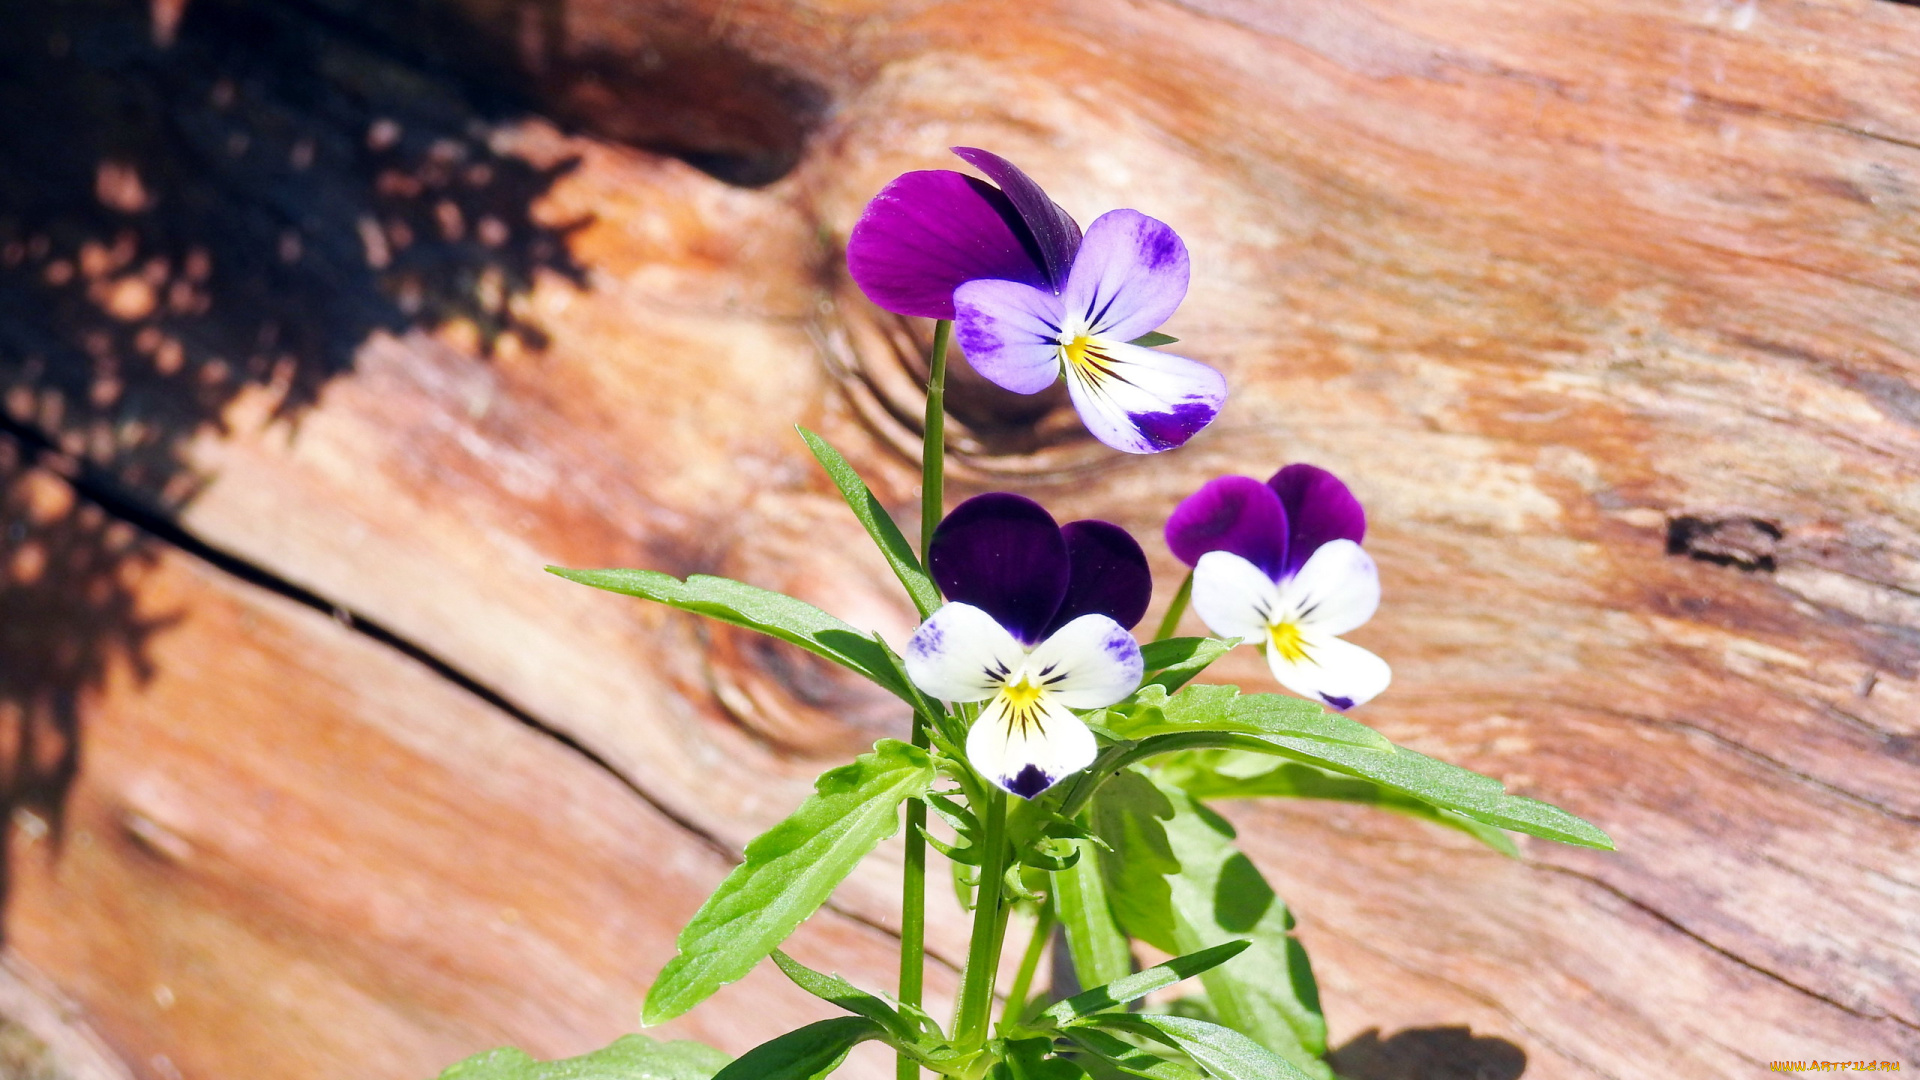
(1100, 951)
(1178, 660)
(833, 988)
(776, 614)
(631, 1057)
(789, 871)
(1031, 1059)
(1225, 708)
(807, 1053)
(1224, 1053)
(879, 524)
(1199, 774)
(1152, 338)
(1140, 984)
(1129, 815)
(1128, 1058)
(1212, 894)
(1449, 787)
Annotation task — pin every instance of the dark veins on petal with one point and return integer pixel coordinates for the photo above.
(1031, 781)
(1109, 575)
(1055, 234)
(1004, 554)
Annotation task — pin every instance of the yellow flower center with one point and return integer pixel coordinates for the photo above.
(1021, 695)
(1083, 354)
(1286, 641)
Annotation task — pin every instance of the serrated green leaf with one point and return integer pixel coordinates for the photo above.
(631, 1057)
(807, 1053)
(1100, 951)
(771, 613)
(1197, 773)
(1449, 787)
(788, 872)
(878, 523)
(1141, 983)
(1225, 708)
(1152, 338)
(1211, 894)
(838, 991)
(1176, 661)
(1127, 1058)
(1222, 1052)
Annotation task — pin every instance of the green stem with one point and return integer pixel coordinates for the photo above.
(1016, 1007)
(913, 885)
(933, 451)
(1171, 621)
(989, 930)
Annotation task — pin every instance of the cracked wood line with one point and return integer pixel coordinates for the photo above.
(1538, 278)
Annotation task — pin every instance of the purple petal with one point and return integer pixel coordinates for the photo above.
(1233, 513)
(1319, 509)
(1143, 401)
(1130, 275)
(1010, 333)
(1003, 554)
(1054, 231)
(1108, 575)
(929, 232)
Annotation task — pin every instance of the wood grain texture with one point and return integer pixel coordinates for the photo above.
(1609, 313)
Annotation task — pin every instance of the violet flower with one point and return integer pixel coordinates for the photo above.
(1036, 625)
(1280, 564)
(1033, 300)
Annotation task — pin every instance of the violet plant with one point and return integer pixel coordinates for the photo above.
(1070, 762)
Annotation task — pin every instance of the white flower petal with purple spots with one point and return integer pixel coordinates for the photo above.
(1129, 276)
(1010, 333)
(1089, 663)
(961, 654)
(1027, 746)
(1139, 400)
(1327, 669)
(1337, 590)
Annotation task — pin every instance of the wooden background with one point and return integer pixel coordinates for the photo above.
(325, 324)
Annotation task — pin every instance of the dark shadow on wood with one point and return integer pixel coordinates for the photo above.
(1435, 1053)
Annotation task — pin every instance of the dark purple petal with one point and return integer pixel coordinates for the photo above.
(1233, 513)
(1003, 554)
(1054, 231)
(927, 233)
(1319, 509)
(1109, 575)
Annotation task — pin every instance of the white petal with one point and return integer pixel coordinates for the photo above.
(1233, 597)
(1336, 591)
(1143, 401)
(1089, 663)
(1026, 751)
(1333, 671)
(961, 654)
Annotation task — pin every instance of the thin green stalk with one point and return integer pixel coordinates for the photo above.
(989, 929)
(1016, 1007)
(1171, 621)
(933, 451)
(913, 884)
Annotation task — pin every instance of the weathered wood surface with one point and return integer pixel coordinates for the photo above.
(1610, 313)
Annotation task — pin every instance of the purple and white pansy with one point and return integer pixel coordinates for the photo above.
(1036, 625)
(1280, 564)
(1033, 300)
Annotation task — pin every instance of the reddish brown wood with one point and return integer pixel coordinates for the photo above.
(1606, 310)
